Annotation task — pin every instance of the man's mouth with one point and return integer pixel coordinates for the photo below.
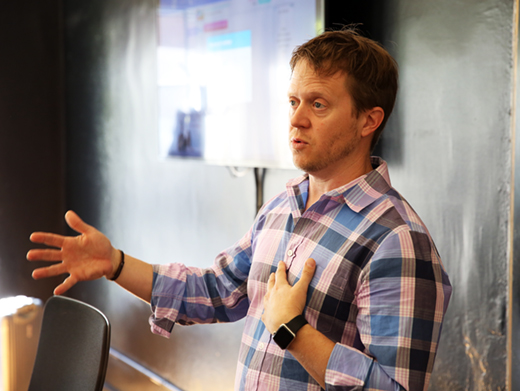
(296, 140)
(298, 144)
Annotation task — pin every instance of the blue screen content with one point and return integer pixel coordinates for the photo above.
(223, 73)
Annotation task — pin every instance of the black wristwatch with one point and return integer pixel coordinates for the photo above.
(287, 331)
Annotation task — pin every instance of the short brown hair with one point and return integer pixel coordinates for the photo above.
(371, 71)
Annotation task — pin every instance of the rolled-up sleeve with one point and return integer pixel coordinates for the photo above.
(188, 295)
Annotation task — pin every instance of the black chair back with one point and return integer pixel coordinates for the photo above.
(73, 349)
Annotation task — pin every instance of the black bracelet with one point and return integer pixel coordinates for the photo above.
(118, 271)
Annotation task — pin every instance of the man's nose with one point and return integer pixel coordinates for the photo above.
(299, 117)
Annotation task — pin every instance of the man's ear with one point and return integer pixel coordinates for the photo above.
(373, 118)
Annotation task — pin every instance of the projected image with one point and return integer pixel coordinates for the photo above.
(222, 76)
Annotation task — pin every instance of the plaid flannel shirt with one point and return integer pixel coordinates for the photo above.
(379, 292)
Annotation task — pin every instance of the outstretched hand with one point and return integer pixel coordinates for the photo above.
(85, 257)
(283, 302)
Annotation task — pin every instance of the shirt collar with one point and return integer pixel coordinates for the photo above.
(357, 194)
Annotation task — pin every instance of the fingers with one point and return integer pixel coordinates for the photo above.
(281, 274)
(281, 271)
(49, 271)
(271, 281)
(44, 255)
(49, 239)
(65, 285)
(76, 223)
(56, 240)
(307, 273)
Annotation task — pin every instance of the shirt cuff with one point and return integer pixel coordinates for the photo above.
(347, 366)
(165, 301)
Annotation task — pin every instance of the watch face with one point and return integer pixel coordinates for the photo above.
(283, 336)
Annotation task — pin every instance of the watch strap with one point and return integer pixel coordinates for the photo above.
(287, 331)
(296, 323)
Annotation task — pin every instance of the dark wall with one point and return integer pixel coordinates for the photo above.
(31, 131)
(366, 15)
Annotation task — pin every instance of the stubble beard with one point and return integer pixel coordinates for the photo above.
(319, 163)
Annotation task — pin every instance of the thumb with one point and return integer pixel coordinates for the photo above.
(74, 222)
(307, 273)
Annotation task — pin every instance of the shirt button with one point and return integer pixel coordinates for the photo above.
(290, 253)
(261, 346)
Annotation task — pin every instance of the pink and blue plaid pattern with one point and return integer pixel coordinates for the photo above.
(380, 290)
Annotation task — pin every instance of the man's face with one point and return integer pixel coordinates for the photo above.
(324, 133)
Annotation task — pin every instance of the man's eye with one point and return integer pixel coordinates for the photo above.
(292, 103)
(318, 105)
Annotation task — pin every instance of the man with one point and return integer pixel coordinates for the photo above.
(339, 281)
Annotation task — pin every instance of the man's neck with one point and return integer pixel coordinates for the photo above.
(330, 179)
